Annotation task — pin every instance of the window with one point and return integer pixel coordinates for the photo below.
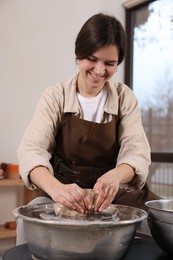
(148, 71)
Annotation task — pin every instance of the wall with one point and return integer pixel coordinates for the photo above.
(36, 49)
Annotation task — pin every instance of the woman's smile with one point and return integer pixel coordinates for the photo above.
(97, 78)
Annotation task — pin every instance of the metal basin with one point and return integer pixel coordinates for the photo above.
(160, 221)
(106, 236)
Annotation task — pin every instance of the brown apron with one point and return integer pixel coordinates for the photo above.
(86, 150)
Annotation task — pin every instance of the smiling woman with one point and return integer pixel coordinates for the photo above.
(86, 132)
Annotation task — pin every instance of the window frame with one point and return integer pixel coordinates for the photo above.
(130, 6)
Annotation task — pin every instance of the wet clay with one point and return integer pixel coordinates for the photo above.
(61, 210)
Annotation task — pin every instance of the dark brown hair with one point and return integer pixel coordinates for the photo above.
(99, 31)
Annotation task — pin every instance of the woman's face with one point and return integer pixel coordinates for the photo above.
(96, 69)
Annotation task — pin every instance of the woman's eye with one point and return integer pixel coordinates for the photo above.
(91, 59)
(109, 64)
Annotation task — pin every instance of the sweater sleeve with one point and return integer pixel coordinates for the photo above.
(38, 142)
(134, 146)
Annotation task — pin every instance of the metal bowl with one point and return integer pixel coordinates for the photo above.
(160, 221)
(107, 236)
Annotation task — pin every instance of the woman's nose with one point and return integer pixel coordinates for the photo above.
(99, 68)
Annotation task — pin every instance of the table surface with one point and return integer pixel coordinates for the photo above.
(141, 249)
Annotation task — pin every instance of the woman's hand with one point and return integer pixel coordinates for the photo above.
(108, 185)
(72, 196)
(69, 195)
(105, 190)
